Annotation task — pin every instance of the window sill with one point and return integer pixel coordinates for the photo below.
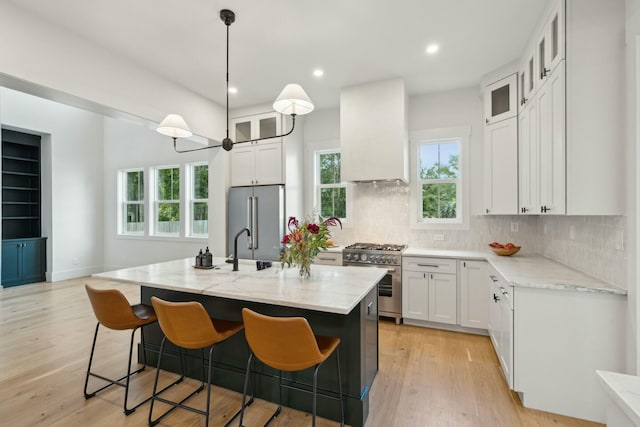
(174, 239)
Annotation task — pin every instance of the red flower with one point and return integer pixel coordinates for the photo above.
(313, 228)
(333, 221)
(292, 221)
(285, 239)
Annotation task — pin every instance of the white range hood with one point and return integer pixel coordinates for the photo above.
(373, 132)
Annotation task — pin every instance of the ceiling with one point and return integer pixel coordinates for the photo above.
(276, 42)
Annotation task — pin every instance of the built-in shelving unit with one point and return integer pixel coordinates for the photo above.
(23, 247)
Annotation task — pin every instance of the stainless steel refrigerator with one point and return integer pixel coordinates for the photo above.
(261, 209)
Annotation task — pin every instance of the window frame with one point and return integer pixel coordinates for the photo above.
(124, 203)
(192, 200)
(318, 186)
(157, 201)
(417, 138)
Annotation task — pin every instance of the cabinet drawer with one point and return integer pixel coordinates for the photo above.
(429, 265)
(328, 258)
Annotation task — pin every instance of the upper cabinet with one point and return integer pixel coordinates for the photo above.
(570, 133)
(501, 100)
(373, 132)
(257, 163)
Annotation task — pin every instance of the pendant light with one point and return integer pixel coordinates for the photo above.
(292, 101)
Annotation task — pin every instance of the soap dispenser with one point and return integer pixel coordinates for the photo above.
(199, 259)
(208, 258)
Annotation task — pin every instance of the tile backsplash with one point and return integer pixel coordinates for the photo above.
(588, 244)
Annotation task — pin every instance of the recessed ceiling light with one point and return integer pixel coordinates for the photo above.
(318, 72)
(233, 90)
(432, 48)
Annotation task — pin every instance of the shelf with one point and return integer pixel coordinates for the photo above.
(20, 217)
(21, 159)
(20, 188)
(20, 173)
(21, 203)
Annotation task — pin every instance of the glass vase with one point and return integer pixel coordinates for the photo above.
(305, 267)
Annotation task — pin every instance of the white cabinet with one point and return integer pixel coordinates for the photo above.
(474, 288)
(501, 167)
(550, 43)
(529, 186)
(429, 289)
(501, 100)
(550, 101)
(501, 322)
(257, 163)
(526, 79)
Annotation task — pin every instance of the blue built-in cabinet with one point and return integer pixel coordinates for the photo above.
(23, 246)
(23, 261)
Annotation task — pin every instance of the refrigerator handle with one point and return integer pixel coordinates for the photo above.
(249, 218)
(254, 225)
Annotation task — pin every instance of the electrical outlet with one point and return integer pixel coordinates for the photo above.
(514, 227)
(438, 237)
(572, 232)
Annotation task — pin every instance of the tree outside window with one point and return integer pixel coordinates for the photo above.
(439, 180)
(133, 203)
(200, 200)
(332, 192)
(168, 201)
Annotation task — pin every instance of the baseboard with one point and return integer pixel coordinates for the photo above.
(445, 326)
(57, 276)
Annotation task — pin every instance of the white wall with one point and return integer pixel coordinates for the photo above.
(72, 182)
(50, 57)
(129, 145)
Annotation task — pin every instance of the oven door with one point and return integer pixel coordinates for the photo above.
(390, 294)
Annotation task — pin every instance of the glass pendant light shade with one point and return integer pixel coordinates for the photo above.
(293, 100)
(174, 126)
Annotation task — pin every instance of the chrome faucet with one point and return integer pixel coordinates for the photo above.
(235, 246)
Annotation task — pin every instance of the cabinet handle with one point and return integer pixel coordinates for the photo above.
(486, 121)
(464, 263)
(428, 265)
(369, 307)
(523, 101)
(256, 181)
(493, 278)
(432, 277)
(326, 259)
(487, 210)
(544, 209)
(544, 73)
(496, 298)
(525, 210)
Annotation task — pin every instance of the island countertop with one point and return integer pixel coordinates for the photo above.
(330, 289)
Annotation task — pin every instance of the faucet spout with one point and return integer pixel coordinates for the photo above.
(235, 246)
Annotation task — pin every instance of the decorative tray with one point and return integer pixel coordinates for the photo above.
(204, 268)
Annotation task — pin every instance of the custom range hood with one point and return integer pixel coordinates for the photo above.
(373, 132)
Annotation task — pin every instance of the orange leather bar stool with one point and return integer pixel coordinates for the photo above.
(288, 344)
(188, 326)
(113, 311)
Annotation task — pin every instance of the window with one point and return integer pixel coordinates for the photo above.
(133, 202)
(168, 200)
(331, 191)
(199, 205)
(439, 184)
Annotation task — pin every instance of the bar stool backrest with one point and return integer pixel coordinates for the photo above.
(285, 343)
(186, 324)
(112, 308)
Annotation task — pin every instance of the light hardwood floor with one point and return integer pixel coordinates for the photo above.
(427, 377)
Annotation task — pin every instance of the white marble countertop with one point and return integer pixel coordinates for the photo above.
(624, 390)
(528, 270)
(329, 289)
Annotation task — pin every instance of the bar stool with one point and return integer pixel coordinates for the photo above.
(288, 344)
(188, 326)
(113, 311)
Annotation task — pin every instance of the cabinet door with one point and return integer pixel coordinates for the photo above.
(528, 174)
(33, 258)
(474, 288)
(443, 298)
(555, 28)
(551, 134)
(415, 295)
(241, 129)
(268, 163)
(501, 168)
(11, 262)
(506, 341)
(501, 100)
(495, 319)
(243, 165)
(266, 125)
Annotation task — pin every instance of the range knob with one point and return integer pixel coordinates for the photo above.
(356, 257)
(393, 260)
(385, 259)
(376, 259)
(363, 257)
(348, 257)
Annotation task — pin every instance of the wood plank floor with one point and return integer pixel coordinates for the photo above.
(427, 377)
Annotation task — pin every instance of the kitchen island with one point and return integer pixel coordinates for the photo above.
(337, 301)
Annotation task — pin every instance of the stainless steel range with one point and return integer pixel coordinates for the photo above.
(390, 287)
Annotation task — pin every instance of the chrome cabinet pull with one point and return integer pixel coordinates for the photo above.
(429, 265)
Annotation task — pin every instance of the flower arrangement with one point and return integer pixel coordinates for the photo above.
(304, 241)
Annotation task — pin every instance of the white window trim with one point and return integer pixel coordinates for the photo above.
(316, 175)
(191, 200)
(122, 203)
(311, 200)
(157, 201)
(461, 133)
